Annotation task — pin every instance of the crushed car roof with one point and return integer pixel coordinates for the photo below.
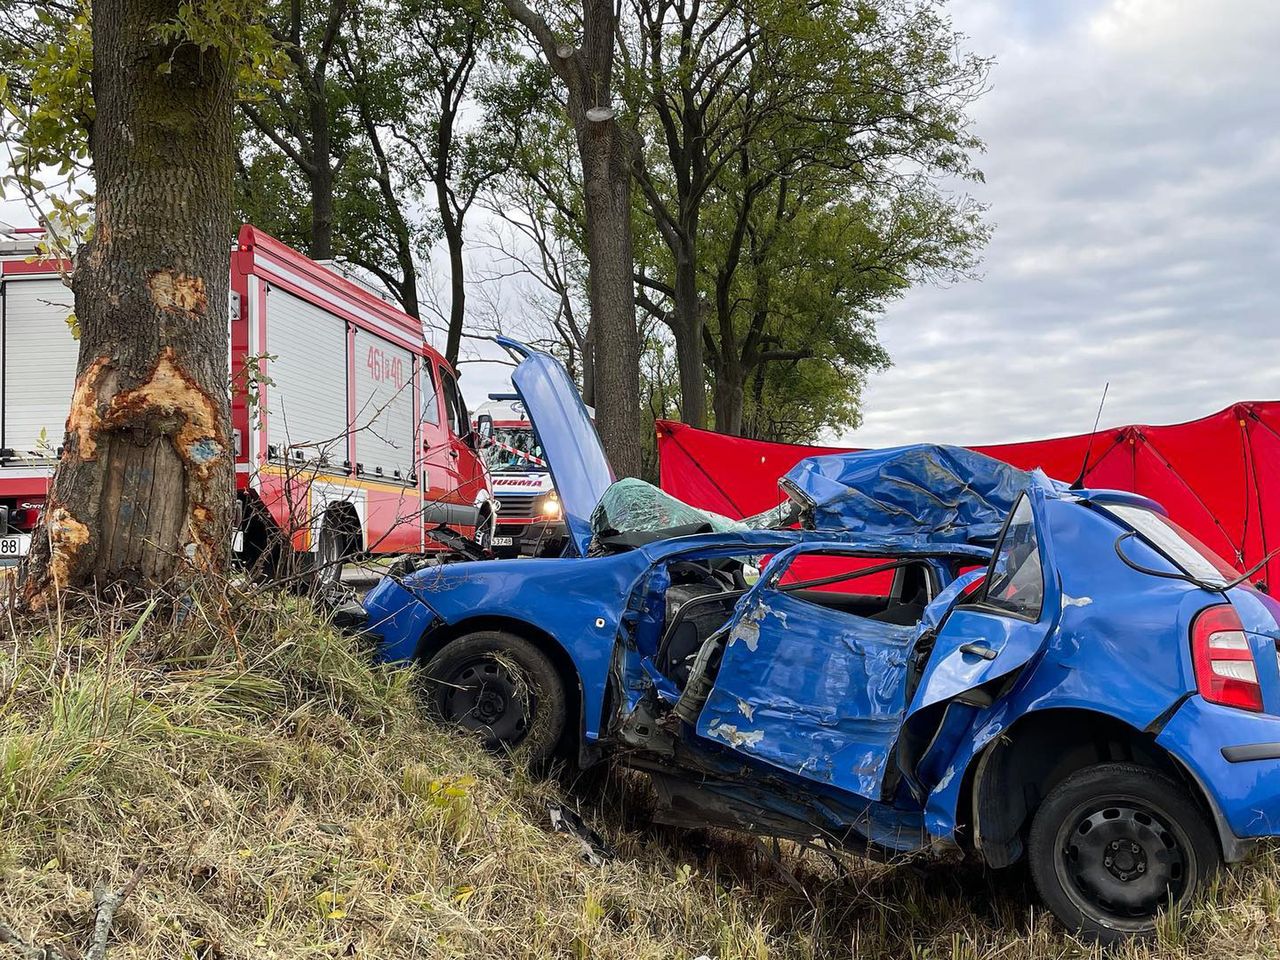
(947, 492)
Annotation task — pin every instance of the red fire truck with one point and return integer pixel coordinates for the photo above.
(351, 434)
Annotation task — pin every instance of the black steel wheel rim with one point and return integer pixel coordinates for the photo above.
(488, 696)
(1122, 859)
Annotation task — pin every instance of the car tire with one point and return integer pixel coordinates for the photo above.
(502, 688)
(1114, 844)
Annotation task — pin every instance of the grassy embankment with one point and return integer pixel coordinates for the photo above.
(286, 799)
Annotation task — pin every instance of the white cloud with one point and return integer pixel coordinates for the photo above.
(1133, 176)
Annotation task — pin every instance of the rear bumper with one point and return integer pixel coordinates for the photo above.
(1235, 756)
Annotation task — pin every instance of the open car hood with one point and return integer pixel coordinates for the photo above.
(948, 492)
(572, 448)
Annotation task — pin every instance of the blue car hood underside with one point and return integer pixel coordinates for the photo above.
(574, 454)
(947, 492)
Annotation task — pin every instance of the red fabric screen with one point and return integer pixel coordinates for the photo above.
(1219, 477)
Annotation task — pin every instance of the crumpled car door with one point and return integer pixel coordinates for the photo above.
(979, 640)
(812, 690)
(1000, 628)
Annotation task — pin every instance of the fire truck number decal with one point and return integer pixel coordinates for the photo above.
(384, 368)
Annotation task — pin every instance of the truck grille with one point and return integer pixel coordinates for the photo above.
(516, 505)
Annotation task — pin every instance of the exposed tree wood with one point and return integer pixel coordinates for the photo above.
(143, 491)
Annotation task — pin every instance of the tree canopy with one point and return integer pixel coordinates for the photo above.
(797, 165)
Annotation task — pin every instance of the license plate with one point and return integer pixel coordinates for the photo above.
(503, 541)
(14, 546)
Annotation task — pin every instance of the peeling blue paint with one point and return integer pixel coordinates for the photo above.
(205, 451)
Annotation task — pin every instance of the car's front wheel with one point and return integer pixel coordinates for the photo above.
(501, 687)
(1114, 844)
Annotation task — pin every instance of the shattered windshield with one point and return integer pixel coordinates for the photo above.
(634, 506)
(513, 450)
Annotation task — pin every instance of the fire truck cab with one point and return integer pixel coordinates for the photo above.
(350, 433)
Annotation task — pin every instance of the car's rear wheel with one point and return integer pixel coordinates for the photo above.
(1114, 844)
(502, 688)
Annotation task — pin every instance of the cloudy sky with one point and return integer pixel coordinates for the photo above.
(1133, 177)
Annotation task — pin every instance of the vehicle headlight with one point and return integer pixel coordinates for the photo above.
(551, 506)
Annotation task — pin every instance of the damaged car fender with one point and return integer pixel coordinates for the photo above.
(575, 604)
(581, 605)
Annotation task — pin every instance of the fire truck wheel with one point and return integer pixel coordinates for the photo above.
(336, 547)
(501, 687)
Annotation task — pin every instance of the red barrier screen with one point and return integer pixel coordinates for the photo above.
(1219, 476)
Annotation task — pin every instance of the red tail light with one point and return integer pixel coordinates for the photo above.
(1225, 671)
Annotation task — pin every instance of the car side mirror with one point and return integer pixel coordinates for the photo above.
(484, 427)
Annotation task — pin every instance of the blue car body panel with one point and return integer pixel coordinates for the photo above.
(581, 602)
(577, 601)
(818, 692)
(948, 492)
(1246, 792)
(809, 703)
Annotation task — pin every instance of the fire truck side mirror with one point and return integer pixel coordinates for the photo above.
(484, 426)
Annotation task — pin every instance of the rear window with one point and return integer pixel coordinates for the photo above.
(1181, 547)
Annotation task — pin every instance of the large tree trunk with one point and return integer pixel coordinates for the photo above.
(321, 178)
(606, 164)
(729, 395)
(687, 328)
(606, 150)
(589, 368)
(143, 492)
(457, 290)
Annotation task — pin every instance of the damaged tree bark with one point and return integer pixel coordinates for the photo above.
(142, 494)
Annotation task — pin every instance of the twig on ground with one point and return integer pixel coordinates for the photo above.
(108, 903)
(775, 855)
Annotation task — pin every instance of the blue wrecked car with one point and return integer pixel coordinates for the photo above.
(930, 650)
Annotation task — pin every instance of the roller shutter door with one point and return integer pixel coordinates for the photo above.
(307, 398)
(39, 363)
(384, 421)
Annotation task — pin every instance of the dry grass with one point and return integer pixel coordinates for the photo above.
(288, 801)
